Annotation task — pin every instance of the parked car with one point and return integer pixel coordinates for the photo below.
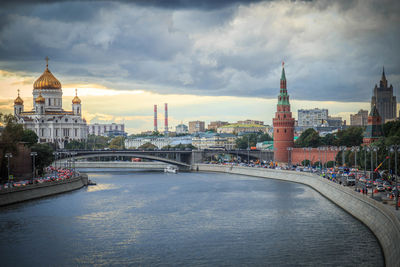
(380, 188)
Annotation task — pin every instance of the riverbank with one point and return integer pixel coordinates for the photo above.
(381, 219)
(19, 194)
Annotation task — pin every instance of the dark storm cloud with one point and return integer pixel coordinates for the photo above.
(334, 50)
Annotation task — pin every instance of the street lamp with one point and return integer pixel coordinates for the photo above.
(355, 149)
(33, 155)
(343, 149)
(304, 162)
(8, 156)
(248, 149)
(290, 149)
(73, 160)
(366, 149)
(396, 149)
(309, 157)
(319, 157)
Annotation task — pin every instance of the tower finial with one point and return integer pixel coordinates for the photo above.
(47, 61)
(18, 92)
(76, 91)
(283, 64)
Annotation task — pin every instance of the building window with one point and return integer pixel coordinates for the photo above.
(277, 130)
(66, 120)
(76, 132)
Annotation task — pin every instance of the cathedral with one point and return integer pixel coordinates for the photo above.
(48, 119)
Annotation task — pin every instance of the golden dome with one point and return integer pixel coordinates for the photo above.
(76, 99)
(18, 100)
(47, 80)
(40, 99)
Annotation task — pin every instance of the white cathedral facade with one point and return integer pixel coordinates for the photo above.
(48, 119)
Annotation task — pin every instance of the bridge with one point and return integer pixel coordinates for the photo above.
(181, 158)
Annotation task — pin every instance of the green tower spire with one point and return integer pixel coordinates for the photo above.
(283, 98)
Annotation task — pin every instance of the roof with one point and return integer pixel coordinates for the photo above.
(237, 125)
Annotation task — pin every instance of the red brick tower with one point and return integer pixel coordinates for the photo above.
(283, 123)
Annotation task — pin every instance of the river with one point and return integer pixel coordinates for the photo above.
(185, 219)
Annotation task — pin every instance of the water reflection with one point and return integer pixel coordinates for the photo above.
(187, 219)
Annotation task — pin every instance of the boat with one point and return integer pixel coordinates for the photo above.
(90, 182)
(171, 169)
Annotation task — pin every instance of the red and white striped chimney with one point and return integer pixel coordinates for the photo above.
(155, 118)
(166, 118)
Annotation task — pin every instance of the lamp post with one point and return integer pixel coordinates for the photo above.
(309, 157)
(326, 162)
(8, 156)
(366, 149)
(290, 149)
(73, 161)
(319, 157)
(248, 149)
(304, 162)
(388, 149)
(374, 148)
(33, 155)
(355, 149)
(343, 149)
(395, 149)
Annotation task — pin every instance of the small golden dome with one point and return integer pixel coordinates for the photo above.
(76, 99)
(18, 100)
(47, 80)
(40, 99)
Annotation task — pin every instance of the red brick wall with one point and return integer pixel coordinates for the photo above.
(298, 155)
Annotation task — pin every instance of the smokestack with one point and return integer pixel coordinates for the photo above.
(155, 118)
(166, 119)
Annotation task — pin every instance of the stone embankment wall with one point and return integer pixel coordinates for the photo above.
(28, 192)
(381, 219)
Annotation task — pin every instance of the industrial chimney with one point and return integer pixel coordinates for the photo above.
(155, 118)
(166, 119)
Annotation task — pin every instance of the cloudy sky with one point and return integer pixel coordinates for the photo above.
(209, 60)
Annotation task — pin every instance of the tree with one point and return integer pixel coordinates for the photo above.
(352, 136)
(29, 137)
(328, 140)
(44, 156)
(309, 138)
(246, 141)
(117, 143)
(147, 146)
(264, 137)
(97, 142)
(74, 144)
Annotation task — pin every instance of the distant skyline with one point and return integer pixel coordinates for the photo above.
(209, 60)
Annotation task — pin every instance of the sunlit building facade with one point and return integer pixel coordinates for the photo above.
(48, 119)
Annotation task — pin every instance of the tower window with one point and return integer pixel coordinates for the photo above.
(277, 130)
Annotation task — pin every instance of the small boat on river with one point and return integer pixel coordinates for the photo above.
(171, 169)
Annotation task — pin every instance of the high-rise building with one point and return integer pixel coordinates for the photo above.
(374, 128)
(359, 119)
(216, 124)
(384, 100)
(312, 117)
(334, 121)
(196, 126)
(283, 123)
(110, 129)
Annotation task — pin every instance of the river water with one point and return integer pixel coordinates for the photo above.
(185, 219)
